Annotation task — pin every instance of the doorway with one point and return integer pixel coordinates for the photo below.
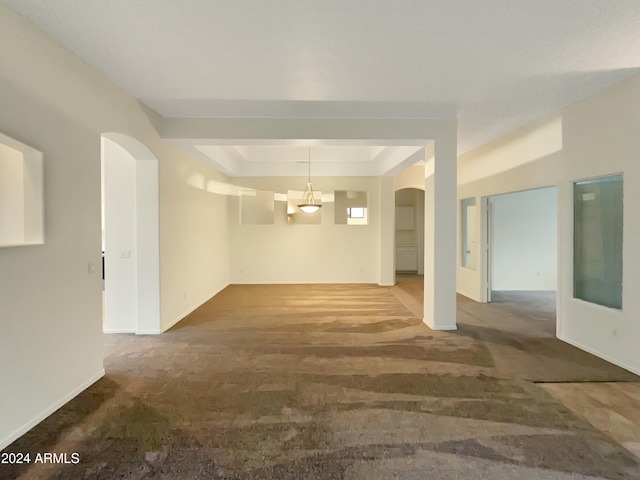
(409, 235)
(522, 249)
(130, 236)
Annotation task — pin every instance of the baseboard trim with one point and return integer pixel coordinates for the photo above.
(593, 351)
(443, 327)
(164, 329)
(183, 315)
(13, 436)
(387, 284)
(118, 330)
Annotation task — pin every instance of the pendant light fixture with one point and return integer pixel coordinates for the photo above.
(308, 203)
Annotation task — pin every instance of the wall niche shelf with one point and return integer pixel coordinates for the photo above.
(21, 194)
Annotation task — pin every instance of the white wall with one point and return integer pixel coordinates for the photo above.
(147, 246)
(11, 196)
(524, 240)
(131, 239)
(50, 301)
(194, 236)
(290, 253)
(120, 310)
(594, 137)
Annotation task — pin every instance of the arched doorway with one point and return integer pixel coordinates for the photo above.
(130, 236)
(409, 234)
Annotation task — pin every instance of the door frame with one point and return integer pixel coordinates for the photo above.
(486, 247)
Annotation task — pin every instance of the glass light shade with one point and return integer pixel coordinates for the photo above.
(309, 208)
(308, 204)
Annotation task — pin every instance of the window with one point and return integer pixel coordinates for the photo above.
(468, 232)
(597, 241)
(350, 207)
(355, 212)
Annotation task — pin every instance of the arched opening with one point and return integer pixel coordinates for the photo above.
(130, 236)
(409, 235)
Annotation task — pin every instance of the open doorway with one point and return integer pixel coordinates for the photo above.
(130, 236)
(522, 249)
(409, 235)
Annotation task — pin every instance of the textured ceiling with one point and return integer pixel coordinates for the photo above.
(493, 64)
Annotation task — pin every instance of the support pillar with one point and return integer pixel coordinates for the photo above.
(440, 235)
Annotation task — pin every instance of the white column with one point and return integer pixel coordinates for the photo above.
(387, 231)
(120, 293)
(148, 246)
(440, 236)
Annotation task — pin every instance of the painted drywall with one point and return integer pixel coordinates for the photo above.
(147, 246)
(594, 137)
(50, 295)
(386, 253)
(120, 308)
(11, 196)
(298, 253)
(524, 238)
(440, 310)
(411, 177)
(130, 236)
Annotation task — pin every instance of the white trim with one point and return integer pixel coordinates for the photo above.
(164, 329)
(13, 436)
(599, 354)
(182, 316)
(118, 330)
(387, 284)
(441, 327)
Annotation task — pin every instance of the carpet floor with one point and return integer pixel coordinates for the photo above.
(333, 382)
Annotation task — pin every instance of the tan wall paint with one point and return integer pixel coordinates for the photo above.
(327, 253)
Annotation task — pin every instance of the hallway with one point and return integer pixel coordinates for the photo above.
(332, 382)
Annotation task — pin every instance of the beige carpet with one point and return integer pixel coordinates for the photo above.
(518, 330)
(328, 382)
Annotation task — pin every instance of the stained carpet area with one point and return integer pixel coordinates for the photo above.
(518, 330)
(327, 382)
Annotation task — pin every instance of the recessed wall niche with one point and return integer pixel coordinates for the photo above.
(256, 207)
(350, 208)
(21, 194)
